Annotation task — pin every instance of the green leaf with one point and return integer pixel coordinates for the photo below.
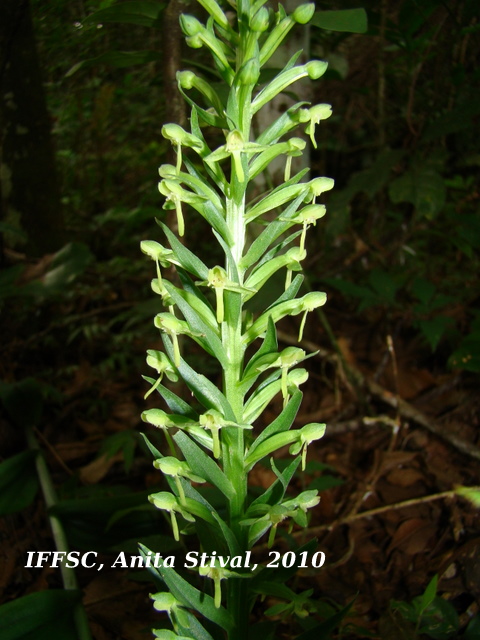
(323, 629)
(423, 187)
(434, 329)
(201, 464)
(190, 596)
(350, 20)
(271, 232)
(175, 403)
(472, 494)
(140, 12)
(269, 345)
(208, 339)
(283, 422)
(124, 441)
(187, 259)
(203, 389)
(18, 482)
(40, 616)
(472, 631)
(276, 491)
(190, 627)
(118, 59)
(429, 594)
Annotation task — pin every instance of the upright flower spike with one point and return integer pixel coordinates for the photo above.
(239, 340)
(177, 469)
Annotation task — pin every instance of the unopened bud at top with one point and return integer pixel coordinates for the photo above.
(260, 20)
(304, 13)
(316, 68)
(190, 25)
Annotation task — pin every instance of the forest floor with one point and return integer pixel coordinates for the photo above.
(401, 434)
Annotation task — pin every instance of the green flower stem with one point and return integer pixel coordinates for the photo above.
(69, 578)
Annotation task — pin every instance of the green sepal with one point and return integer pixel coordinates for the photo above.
(203, 465)
(189, 596)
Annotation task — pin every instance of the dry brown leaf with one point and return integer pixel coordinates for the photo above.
(98, 469)
(413, 536)
(405, 477)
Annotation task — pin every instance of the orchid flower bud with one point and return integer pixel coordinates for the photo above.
(304, 13)
(190, 25)
(316, 68)
(249, 73)
(260, 21)
(188, 80)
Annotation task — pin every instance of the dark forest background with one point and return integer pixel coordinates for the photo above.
(83, 102)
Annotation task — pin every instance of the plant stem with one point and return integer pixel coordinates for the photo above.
(69, 578)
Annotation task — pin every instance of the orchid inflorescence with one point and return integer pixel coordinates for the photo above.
(212, 437)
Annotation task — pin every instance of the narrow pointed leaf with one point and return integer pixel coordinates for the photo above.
(203, 465)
